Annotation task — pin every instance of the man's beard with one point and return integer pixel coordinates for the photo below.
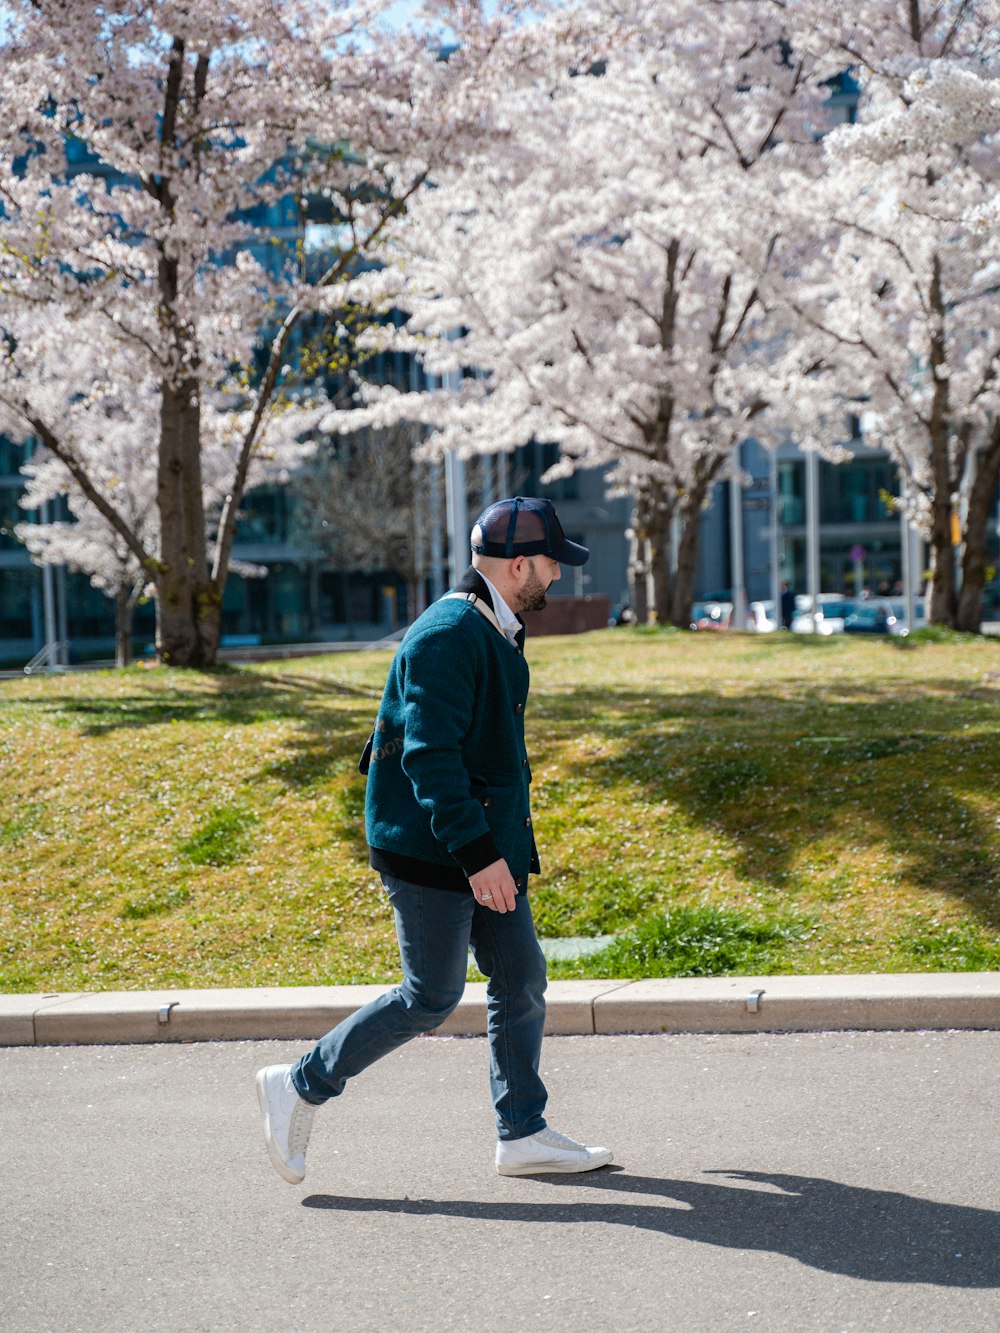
(532, 595)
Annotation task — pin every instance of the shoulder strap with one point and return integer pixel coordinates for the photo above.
(482, 607)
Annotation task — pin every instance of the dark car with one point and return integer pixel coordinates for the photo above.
(879, 616)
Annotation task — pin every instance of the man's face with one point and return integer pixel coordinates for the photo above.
(542, 572)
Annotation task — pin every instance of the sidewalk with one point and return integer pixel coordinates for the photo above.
(872, 1003)
(802, 1183)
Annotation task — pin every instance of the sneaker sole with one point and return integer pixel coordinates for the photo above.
(282, 1167)
(552, 1168)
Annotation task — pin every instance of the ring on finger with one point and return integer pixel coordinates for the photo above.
(486, 897)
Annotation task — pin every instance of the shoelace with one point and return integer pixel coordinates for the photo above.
(557, 1140)
(299, 1127)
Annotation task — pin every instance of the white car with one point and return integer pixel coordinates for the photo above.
(761, 617)
(829, 616)
(719, 615)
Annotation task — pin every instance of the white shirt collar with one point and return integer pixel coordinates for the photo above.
(507, 620)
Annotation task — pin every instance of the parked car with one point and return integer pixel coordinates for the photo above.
(761, 617)
(881, 615)
(711, 615)
(719, 615)
(829, 617)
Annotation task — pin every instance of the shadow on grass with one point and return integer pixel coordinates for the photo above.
(869, 1234)
(911, 769)
(232, 697)
(331, 719)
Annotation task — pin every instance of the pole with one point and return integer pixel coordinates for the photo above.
(49, 603)
(812, 531)
(436, 535)
(457, 514)
(62, 617)
(739, 616)
(907, 549)
(917, 562)
(775, 537)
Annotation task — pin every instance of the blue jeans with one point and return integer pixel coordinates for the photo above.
(435, 928)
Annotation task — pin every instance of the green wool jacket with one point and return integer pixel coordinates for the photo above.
(448, 774)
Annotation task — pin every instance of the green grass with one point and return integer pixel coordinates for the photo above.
(722, 802)
(225, 838)
(692, 942)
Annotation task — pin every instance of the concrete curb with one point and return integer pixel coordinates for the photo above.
(966, 1000)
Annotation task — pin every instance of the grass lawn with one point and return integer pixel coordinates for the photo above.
(722, 802)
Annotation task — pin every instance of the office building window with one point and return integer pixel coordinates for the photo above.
(854, 492)
(17, 588)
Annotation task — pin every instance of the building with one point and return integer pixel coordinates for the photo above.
(302, 597)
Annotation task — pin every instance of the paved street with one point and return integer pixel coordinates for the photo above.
(801, 1182)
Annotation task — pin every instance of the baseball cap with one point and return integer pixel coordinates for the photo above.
(525, 526)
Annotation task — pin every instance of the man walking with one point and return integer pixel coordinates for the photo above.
(787, 606)
(449, 829)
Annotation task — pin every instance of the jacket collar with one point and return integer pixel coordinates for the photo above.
(472, 581)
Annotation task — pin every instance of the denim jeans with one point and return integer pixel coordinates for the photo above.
(435, 928)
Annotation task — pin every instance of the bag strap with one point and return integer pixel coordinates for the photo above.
(482, 607)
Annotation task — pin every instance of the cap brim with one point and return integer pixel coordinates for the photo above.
(570, 553)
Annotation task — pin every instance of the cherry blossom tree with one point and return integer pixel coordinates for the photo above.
(147, 146)
(122, 468)
(896, 263)
(113, 430)
(943, 102)
(603, 274)
(359, 501)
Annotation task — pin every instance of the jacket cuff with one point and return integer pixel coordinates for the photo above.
(477, 855)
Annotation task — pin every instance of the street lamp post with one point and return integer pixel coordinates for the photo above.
(812, 532)
(739, 616)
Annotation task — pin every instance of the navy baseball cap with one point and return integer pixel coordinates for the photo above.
(524, 526)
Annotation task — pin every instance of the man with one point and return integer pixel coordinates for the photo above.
(449, 829)
(787, 606)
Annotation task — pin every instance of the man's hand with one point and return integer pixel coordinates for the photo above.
(494, 887)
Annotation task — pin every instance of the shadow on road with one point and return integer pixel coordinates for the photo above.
(875, 1235)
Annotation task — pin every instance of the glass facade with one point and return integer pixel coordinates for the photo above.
(860, 544)
(856, 492)
(264, 516)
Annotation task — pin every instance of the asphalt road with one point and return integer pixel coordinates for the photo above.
(764, 1182)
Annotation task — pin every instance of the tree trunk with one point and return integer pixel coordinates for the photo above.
(942, 602)
(638, 573)
(649, 571)
(188, 601)
(691, 507)
(970, 600)
(188, 607)
(123, 625)
(659, 558)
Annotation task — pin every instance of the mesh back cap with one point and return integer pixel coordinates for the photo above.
(525, 526)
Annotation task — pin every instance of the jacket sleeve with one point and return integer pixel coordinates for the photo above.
(441, 677)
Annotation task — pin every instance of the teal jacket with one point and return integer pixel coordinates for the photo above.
(448, 775)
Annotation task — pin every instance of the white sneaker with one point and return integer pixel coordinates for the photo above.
(547, 1152)
(287, 1122)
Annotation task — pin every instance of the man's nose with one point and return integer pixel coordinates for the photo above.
(557, 575)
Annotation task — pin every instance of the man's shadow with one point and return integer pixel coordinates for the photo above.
(877, 1235)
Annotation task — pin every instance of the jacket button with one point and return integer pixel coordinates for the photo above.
(527, 823)
(519, 883)
(524, 763)
(487, 800)
(519, 708)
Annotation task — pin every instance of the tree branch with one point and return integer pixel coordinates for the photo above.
(107, 511)
(230, 508)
